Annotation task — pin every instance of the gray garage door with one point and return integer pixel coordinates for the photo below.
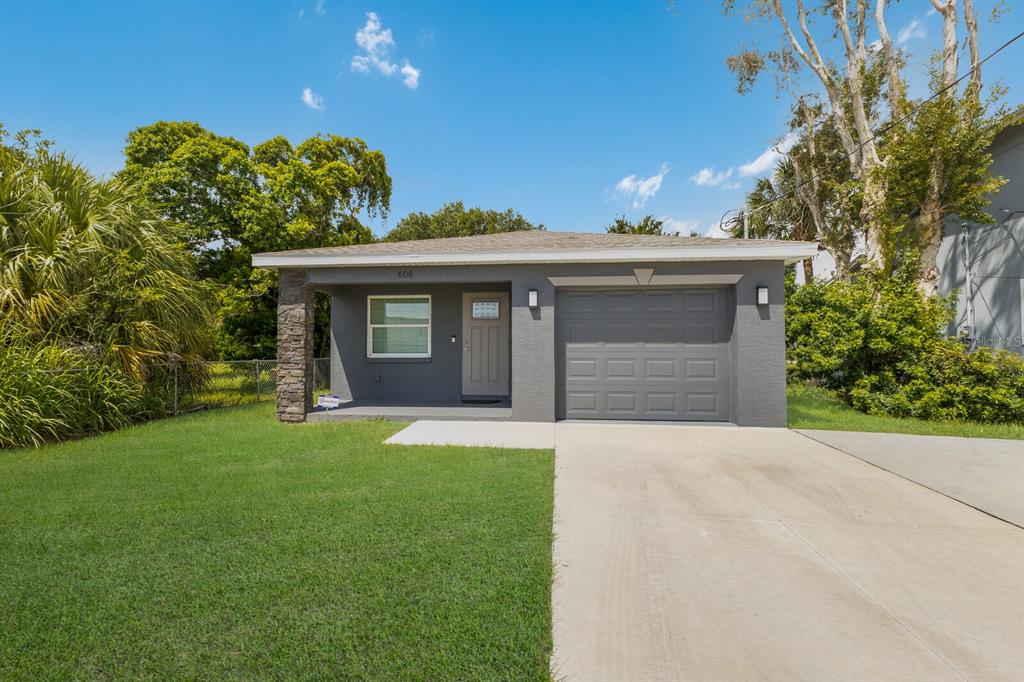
(653, 354)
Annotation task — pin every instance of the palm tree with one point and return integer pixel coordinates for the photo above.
(88, 263)
(774, 211)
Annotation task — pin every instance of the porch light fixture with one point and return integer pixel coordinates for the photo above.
(532, 298)
(762, 295)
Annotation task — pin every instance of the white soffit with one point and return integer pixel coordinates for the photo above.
(754, 251)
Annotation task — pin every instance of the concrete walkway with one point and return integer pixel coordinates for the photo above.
(740, 554)
(528, 435)
(985, 473)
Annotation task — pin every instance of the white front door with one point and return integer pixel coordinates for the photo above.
(485, 344)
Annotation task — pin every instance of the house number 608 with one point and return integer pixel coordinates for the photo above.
(405, 274)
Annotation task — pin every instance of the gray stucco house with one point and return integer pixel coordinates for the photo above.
(542, 326)
(985, 263)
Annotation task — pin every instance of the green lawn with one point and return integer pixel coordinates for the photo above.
(816, 408)
(226, 545)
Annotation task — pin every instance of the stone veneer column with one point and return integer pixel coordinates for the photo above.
(294, 346)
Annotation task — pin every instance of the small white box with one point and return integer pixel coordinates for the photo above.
(328, 401)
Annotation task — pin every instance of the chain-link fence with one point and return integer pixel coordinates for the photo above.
(43, 403)
(225, 383)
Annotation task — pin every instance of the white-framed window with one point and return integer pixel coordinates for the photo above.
(398, 326)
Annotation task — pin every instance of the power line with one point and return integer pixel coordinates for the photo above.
(889, 126)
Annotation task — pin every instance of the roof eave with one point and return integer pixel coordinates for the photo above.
(790, 253)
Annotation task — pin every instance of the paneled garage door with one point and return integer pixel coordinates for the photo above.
(644, 354)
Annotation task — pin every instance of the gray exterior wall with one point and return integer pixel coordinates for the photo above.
(997, 255)
(759, 375)
(759, 348)
(435, 380)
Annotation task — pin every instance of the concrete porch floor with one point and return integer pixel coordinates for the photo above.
(363, 410)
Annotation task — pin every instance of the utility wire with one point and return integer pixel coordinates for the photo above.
(889, 126)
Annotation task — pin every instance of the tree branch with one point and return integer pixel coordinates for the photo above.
(862, 51)
(809, 196)
(971, 20)
(897, 88)
(818, 66)
(855, 79)
(801, 16)
(949, 44)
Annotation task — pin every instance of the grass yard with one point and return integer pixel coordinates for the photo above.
(227, 545)
(816, 408)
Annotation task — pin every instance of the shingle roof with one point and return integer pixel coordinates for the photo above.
(529, 240)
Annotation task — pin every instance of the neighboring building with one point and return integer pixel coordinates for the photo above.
(540, 326)
(996, 253)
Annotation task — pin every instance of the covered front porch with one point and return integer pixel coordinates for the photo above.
(430, 349)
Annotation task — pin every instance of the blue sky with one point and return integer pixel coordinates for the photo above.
(569, 113)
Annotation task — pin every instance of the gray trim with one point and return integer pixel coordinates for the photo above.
(596, 281)
(623, 281)
(692, 280)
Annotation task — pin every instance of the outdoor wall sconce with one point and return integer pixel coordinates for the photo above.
(762, 295)
(532, 298)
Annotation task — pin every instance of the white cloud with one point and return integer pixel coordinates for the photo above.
(769, 157)
(681, 227)
(362, 63)
(716, 230)
(312, 100)
(376, 42)
(410, 75)
(373, 37)
(707, 177)
(320, 7)
(913, 31)
(731, 185)
(642, 189)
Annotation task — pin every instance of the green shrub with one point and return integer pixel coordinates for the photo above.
(948, 383)
(878, 342)
(840, 332)
(49, 393)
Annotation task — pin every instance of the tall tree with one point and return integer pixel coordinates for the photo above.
(646, 225)
(455, 220)
(233, 201)
(883, 149)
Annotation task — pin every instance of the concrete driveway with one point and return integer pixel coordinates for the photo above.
(986, 473)
(725, 553)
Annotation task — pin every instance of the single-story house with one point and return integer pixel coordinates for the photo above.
(544, 325)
